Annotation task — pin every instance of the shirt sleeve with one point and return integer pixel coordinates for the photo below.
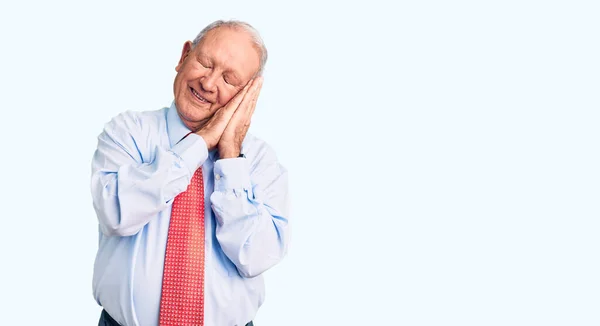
(251, 205)
(126, 190)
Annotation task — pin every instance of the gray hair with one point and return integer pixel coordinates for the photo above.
(258, 41)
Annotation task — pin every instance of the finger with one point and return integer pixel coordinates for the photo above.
(256, 85)
(252, 103)
(251, 94)
(256, 94)
(245, 101)
(240, 116)
(226, 112)
(237, 99)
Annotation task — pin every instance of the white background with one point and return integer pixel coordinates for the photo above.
(443, 156)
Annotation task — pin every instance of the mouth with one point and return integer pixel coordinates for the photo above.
(198, 96)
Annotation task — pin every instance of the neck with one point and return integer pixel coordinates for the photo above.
(193, 126)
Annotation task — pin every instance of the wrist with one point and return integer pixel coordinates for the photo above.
(209, 143)
(229, 154)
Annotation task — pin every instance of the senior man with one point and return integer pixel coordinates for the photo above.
(191, 209)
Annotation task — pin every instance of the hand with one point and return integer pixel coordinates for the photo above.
(211, 132)
(230, 143)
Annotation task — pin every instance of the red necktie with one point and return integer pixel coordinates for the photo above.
(182, 300)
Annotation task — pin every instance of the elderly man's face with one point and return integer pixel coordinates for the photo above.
(212, 73)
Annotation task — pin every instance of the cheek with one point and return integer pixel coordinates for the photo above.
(225, 96)
(180, 80)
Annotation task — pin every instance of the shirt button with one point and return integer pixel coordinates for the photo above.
(218, 176)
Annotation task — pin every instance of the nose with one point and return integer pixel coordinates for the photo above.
(209, 82)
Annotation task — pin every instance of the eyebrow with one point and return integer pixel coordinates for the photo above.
(202, 55)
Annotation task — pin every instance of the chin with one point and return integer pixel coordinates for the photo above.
(193, 116)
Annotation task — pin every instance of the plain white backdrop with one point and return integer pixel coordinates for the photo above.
(444, 156)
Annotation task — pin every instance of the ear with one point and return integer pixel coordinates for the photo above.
(187, 48)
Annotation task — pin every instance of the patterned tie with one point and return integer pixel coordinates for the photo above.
(182, 300)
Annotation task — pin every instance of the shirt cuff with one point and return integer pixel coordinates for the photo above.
(232, 173)
(192, 151)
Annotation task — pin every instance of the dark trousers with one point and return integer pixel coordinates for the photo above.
(107, 320)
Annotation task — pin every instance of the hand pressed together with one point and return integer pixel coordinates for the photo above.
(228, 126)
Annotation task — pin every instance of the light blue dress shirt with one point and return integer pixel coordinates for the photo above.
(140, 165)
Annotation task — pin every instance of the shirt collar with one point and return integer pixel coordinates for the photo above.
(175, 127)
(177, 130)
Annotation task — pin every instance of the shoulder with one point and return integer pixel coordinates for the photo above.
(135, 126)
(135, 131)
(133, 121)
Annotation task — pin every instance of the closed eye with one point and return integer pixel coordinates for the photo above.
(231, 80)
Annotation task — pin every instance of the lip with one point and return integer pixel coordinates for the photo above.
(193, 92)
